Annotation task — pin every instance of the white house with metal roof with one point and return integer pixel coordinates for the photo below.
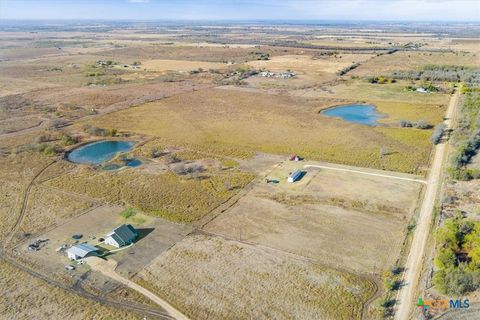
(80, 251)
(121, 236)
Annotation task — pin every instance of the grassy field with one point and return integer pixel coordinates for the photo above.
(179, 65)
(358, 90)
(165, 195)
(237, 124)
(34, 299)
(209, 277)
(16, 172)
(47, 207)
(362, 217)
(306, 64)
(404, 60)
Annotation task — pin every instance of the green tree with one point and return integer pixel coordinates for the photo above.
(445, 259)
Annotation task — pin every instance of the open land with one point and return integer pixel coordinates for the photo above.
(223, 235)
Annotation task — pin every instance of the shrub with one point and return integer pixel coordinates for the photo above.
(406, 124)
(345, 70)
(68, 140)
(128, 213)
(437, 133)
(422, 124)
(57, 123)
(51, 150)
(460, 280)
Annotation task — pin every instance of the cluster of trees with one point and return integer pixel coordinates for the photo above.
(441, 73)
(68, 140)
(458, 256)
(392, 282)
(100, 132)
(47, 149)
(47, 145)
(421, 124)
(425, 85)
(467, 138)
(437, 133)
(191, 170)
(345, 70)
(381, 80)
(262, 55)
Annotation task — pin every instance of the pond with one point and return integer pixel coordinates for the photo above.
(356, 113)
(99, 152)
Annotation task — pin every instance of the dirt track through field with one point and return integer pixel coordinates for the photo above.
(384, 175)
(107, 267)
(413, 267)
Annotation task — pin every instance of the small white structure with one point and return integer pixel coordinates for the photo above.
(297, 174)
(422, 90)
(80, 251)
(121, 236)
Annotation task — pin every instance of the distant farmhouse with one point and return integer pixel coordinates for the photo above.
(121, 236)
(282, 75)
(80, 251)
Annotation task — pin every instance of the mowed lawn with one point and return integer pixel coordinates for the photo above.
(239, 123)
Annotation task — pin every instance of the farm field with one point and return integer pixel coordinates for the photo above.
(210, 276)
(341, 219)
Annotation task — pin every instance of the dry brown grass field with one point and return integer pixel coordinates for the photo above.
(406, 60)
(283, 251)
(238, 123)
(342, 219)
(34, 299)
(166, 195)
(179, 65)
(206, 276)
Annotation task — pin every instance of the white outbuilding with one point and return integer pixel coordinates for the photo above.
(80, 251)
(296, 175)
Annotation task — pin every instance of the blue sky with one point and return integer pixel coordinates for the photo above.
(424, 10)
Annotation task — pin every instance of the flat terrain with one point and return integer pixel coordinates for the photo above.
(205, 276)
(179, 65)
(342, 219)
(238, 123)
(217, 240)
(156, 236)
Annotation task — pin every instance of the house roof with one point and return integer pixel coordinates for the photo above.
(123, 234)
(82, 249)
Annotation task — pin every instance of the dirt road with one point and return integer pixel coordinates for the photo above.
(407, 294)
(366, 171)
(107, 267)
